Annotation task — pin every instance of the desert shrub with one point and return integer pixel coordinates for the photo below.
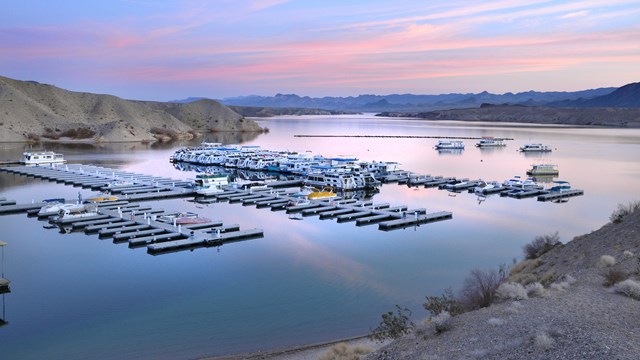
(479, 288)
(607, 260)
(442, 322)
(79, 133)
(627, 254)
(569, 279)
(540, 245)
(513, 291)
(495, 321)
(526, 264)
(543, 341)
(514, 308)
(172, 134)
(393, 325)
(54, 135)
(613, 276)
(342, 351)
(629, 288)
(535, 290)
(445, 302)
(623, 210)
(33, 137)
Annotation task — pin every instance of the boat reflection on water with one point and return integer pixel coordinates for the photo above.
(450, 151)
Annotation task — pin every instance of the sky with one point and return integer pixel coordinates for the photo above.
(167, 50)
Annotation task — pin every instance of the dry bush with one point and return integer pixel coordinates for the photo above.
(540, 245)
(535, 290)
(79, 133)
(172, 134)
(527, 264)
(393, 325)
(624, 210)
(627, 254)
(607, 260)
(33, 137)
(442, 322)
(495, 321)
(513, 291)
(479, 288)
(342, 351)
(613, 276)
(629, 288)
(543, 341)
(445, 302)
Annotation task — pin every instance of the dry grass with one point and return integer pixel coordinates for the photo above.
(342, 351)
(623, 210)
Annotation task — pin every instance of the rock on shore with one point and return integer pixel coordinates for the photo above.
(30, 110)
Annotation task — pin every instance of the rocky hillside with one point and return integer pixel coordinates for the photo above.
(626, 96)
(34, 111)
(614, 117)
(574, 316)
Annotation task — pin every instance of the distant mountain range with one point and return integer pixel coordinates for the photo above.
(626, 96)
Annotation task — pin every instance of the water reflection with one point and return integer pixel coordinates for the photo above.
(450, 151)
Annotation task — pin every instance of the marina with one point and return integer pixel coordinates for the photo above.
(301, 270)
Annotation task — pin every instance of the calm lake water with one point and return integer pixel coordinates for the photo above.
(77, 296)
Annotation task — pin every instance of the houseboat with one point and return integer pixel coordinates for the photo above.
(543, 169)
(490, 141)
(210, 183)
(42, 158)
(449, 144)
(534, 148)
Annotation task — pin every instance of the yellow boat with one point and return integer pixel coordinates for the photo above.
(102, 199)
(325, 193)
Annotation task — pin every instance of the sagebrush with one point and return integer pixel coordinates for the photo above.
(393, 325)
(445, 302)
(540, 245)
(623, 210)
(478, 290)
(342, 351)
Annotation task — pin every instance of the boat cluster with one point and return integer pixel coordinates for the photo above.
(489, 142)
(342, 173)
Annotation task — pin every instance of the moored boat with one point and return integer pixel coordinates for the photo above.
(210, 183)
(449, 144)
(74, 211)
(543, 169)
(560, 186)
(534, 148)
(41, 158)
(490, 141)
(52, 207)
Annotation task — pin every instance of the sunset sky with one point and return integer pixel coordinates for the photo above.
(164, 50)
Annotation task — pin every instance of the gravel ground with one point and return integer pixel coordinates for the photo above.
(586, 320)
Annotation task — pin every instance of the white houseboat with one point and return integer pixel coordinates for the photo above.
(41, 158)
(534, 148)
(449, 145)
(543, 169)
(490, 141)
(206, 184)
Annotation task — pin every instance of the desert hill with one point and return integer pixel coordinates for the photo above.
(575, 316)
(605, 116)
(31, 111)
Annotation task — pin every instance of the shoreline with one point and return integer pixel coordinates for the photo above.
(303, 352)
